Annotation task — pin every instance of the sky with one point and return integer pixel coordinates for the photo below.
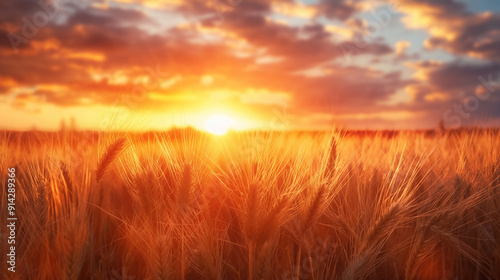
(249, 64)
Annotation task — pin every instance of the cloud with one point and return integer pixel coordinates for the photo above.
(103, 54)
(296, 9)
(339, 9)
(401, 47)
(453, 28)
(469, 91)
(455, 79)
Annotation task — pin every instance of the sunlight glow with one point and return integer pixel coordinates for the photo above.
(218, 124)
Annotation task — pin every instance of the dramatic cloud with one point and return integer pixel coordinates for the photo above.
(454, 28)
(319, 60)
(340, 9)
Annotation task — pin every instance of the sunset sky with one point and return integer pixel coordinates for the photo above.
(252, 64)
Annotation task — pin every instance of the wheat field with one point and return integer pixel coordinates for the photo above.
(289, 205)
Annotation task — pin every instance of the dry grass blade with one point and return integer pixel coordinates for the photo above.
(111, 154)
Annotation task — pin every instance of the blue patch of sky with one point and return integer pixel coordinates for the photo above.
(162, 18)
(309, 2)
(479, 6)
(166, 19)
(391, 32)
(396, 31)
(291, 21)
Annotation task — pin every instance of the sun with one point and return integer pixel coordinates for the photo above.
(218, 124)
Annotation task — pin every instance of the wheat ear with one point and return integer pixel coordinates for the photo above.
(111, 154)
(313, 214)
(332, 159)
(184, 193)
(382, 226)
(67, 179)
(252, 214)
(416, 247)
(185, 187)
(273, 220)
(314, 210)
(42, 205)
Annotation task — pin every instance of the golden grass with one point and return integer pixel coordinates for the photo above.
(297, 206)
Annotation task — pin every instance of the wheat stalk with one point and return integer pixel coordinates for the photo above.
(314, 210)
(263, 266)
(185, 188)
(273, 220)
(184, 196)
(67, 178)
(72, 254)
(360, 266)
(42, 205)
(68, 182)
(243, 225)
(252, 210)
(364, 260)
(313, 214)
(111, 154)
(332, 159)
(458, 245)
(251, 219)
(416, 247)
(384, 225)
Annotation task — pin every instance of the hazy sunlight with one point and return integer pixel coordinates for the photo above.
(218, 124)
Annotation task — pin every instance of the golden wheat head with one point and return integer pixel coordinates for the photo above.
(112, 152)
